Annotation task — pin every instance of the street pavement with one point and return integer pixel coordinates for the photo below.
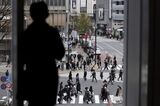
(96, 87)
(111, 46)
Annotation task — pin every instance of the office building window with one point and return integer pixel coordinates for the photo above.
(59, 2)
(122, 2)
(117, 11)
(122, 11)
(55, 2)
(63, 2)
(117, 3)
(51, 2)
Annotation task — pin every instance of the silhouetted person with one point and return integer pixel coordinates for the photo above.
(40, 45)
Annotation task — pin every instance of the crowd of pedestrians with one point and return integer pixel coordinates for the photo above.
(86, 63)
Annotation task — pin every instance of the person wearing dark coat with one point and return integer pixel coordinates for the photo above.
(78, 87)
(39, 47)
(85, 75)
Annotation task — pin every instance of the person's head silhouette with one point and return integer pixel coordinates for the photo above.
(39, 11)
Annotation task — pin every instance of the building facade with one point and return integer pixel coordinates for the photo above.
(57, 13)
(103, 15)
(81, 6)
(117, 14)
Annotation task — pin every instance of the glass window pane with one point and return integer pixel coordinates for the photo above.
(6, 83)
(51, 2)
(47, 2)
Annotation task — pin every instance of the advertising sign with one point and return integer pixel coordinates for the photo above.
(101, 13)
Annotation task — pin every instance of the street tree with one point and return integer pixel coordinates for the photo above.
(82, 23)
(5, 18)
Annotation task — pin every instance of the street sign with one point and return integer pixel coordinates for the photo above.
(3, 86)
(3, 78)
(8, 85)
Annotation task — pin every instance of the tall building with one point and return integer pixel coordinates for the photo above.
(57, 12)
(81, 6)
(103, 15)
(117, 14)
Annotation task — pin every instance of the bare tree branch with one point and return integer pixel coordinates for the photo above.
(5, 18)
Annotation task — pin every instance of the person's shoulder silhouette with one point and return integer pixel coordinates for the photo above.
(40, 47)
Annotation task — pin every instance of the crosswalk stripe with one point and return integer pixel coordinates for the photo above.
(97, 99)
(64, 102)
(80, 99)
(114, 100)
(73, 100)
(109, 67)
(57, 100)
(105, 101)
(119, 67)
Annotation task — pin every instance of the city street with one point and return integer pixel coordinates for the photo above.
(110, 46)
(113, 48)
(96, 87)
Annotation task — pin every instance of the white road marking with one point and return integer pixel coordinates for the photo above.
(73, 100)
(97, 99)
(64, 102)
(100, 47)
(80, 99)
(114, 49)
(105, 101)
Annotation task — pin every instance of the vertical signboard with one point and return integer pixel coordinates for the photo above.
(73, 4)
(101, 13)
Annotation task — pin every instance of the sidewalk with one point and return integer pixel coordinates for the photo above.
(3, 67)
(79, 50)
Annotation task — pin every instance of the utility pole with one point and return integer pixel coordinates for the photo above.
(95, 33)
(67, 25)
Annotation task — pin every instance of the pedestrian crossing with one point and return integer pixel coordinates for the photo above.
(81, 73)
(118, 67)
(79, 100)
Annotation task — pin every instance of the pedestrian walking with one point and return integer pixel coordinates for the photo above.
(120, 74)
(7, 73)
(94, 76)
(110, 79)
(78, 87)
(77, 77)
(78, 65)
(7, 60)
(91, 90)
(101, 74)
(61, 86)
(113, 73)
(119, 91)
(85, 75)
(105, 64)
(70, 75)
(62, 65)
(84, 64)
(114, 62)
(105, 83)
